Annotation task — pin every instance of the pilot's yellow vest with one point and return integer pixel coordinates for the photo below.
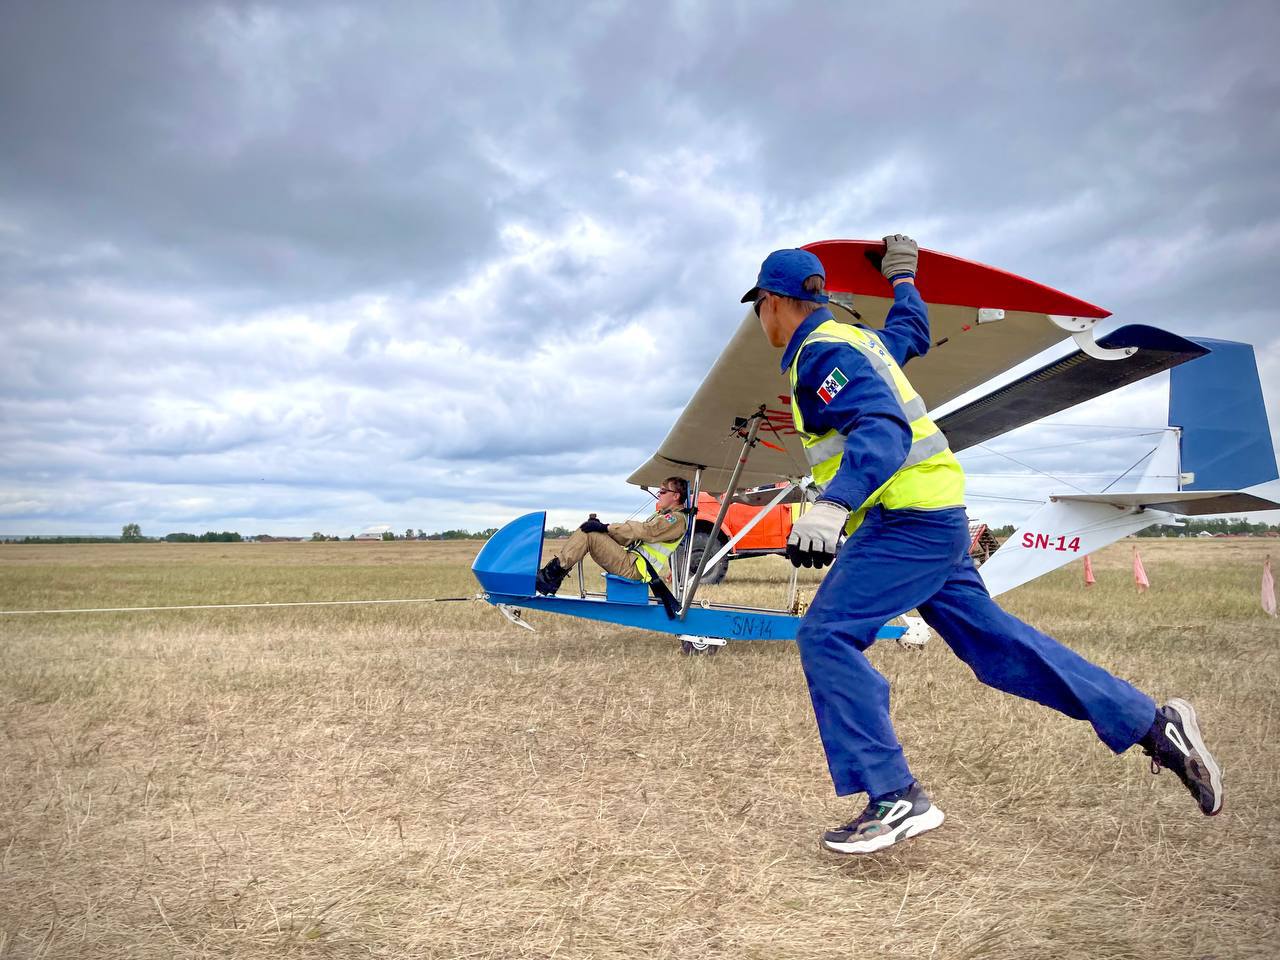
(659, 555)
(929, 479)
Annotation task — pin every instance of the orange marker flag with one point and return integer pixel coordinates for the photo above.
(1268, 589)
(1139, 574)
(1089, 580)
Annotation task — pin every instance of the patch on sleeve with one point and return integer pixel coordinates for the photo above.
(670, 518)
(834, 383)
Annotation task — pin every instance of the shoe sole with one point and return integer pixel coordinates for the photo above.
(911, 827)
(1189, 722)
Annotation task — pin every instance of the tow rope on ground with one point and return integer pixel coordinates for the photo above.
(232, 606)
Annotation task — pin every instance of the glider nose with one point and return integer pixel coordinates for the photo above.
(508, 562)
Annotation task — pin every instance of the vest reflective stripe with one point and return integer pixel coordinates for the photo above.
(929, 477)
(659, 554)
(925, 448)
(832, 445)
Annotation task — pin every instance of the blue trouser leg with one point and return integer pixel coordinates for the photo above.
(885, 569)
(1012, 656)
(899, 560)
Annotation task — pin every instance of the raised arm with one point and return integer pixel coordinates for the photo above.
(906, 327)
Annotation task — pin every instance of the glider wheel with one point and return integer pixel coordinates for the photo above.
(693, 648)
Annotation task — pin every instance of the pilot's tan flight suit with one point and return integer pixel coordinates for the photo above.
(610, 549)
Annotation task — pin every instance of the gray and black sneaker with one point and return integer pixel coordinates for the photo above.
(886, 822)
(1174, 743)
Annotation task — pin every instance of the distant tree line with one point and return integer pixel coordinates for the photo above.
(39, 539)
(552, 533)
(484, 534)
(132, 533)
(1236, 526)
(226, 536)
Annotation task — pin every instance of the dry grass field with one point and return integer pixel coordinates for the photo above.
(428, 781)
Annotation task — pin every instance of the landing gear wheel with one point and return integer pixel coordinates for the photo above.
(696, 648)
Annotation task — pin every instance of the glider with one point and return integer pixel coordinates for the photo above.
(736, 438)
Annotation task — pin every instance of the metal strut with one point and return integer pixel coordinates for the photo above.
(747, 444)
(750, 525)
(691, 512)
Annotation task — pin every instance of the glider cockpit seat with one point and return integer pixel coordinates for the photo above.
(625, 590)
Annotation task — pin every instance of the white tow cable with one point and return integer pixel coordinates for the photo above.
(233, 606)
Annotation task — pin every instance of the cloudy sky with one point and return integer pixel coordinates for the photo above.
(316, 266)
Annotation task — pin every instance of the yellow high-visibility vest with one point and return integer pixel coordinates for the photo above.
(659, 554)
(930, 478)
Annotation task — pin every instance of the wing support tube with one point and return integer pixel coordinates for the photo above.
(694, 491)
(747, 444)
(1081, 330)
(750, 524)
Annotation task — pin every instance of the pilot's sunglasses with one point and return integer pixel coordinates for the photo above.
(757, 306)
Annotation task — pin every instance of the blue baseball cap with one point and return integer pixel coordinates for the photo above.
(784, 272)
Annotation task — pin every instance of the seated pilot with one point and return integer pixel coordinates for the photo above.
(637, 549)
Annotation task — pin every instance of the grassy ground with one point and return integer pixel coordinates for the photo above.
(428, 781)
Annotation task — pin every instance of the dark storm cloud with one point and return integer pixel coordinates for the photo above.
(313, 261)
(230, 146)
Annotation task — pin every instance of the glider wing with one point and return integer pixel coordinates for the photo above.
(983, 321)
(1064, 383)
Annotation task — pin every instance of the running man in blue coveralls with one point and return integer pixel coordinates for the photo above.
(888, 480)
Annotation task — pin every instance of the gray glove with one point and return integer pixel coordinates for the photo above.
(900, 256)
(816, 536)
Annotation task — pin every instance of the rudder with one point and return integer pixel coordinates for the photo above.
(1216, 401)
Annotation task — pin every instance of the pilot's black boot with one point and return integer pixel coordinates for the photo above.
(550, 577)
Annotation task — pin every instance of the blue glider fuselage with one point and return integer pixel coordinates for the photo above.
(507, 567)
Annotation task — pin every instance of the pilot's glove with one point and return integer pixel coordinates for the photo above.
(592, 525)
(816, 536)
(900, 256)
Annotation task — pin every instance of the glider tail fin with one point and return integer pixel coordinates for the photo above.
(1216, 401)
(1227, 465)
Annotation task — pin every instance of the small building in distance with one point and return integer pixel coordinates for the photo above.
(982, 542)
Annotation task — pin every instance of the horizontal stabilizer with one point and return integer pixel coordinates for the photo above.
(1064, 383)
(1191, 503)
(1072, 525)
(1062, 530)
